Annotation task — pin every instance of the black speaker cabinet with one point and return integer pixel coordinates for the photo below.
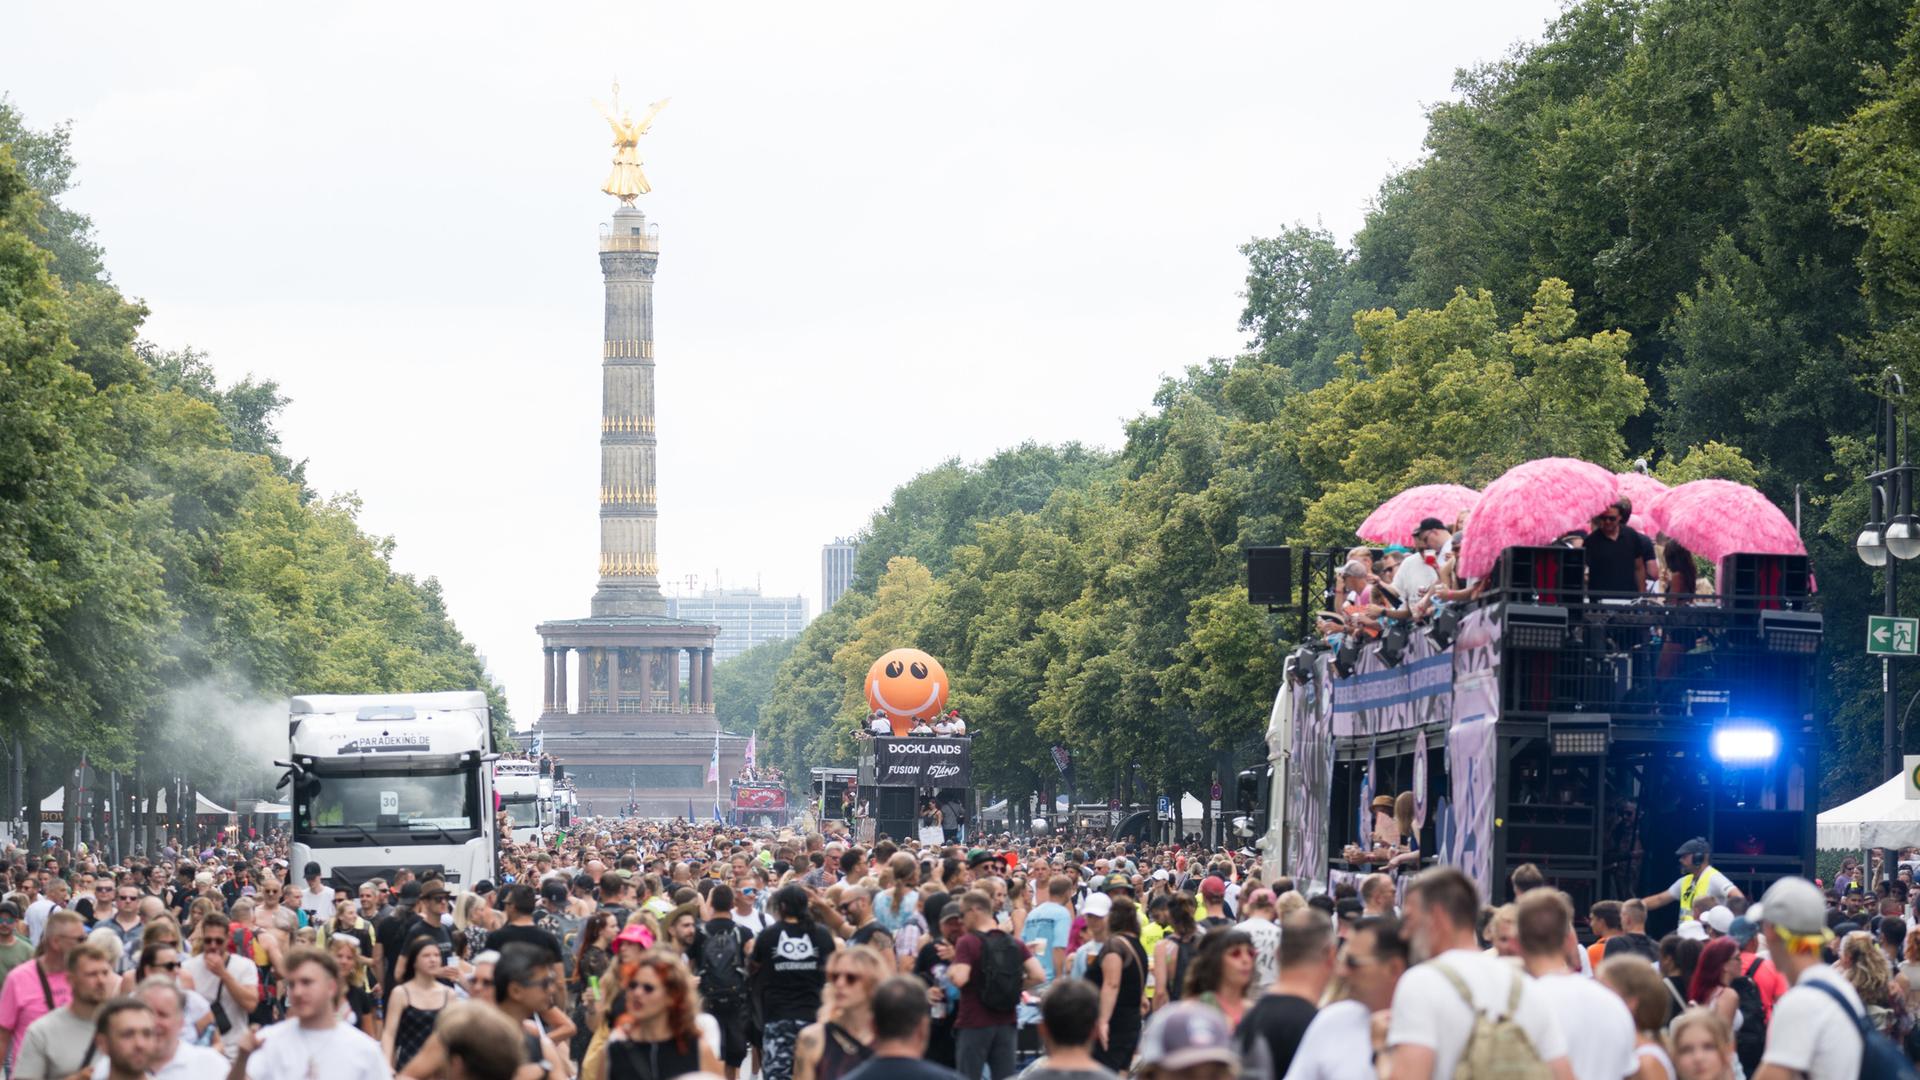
(1269, 576)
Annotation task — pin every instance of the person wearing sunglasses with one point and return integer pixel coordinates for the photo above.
(164, 961)
(836, 1045)
(658, 1038)
(1616, 554)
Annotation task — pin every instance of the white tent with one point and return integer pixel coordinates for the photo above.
(1883, 817)
(57, 803)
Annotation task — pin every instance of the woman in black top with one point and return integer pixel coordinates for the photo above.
(656, 1039)
(1120, 971)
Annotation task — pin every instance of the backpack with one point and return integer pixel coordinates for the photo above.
(1002, 972)
(1751, 1040)
(567, 928)
(1497, 1048)
(721, 971)
(1182, 956)
(1879, 1058)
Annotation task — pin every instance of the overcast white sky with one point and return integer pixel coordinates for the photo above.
(892, 233)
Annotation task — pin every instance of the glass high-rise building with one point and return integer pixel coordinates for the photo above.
(836, 571)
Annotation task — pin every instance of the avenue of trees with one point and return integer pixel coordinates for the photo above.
(166, 576)
(1677, 229)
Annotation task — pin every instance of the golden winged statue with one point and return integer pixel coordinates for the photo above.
(626, 182)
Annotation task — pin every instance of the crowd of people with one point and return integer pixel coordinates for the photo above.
(949, 724)
(644, 950)
(1402, 586)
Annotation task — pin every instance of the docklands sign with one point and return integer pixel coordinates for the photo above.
(918, 762)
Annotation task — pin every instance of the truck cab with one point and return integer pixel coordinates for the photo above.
(385, 781)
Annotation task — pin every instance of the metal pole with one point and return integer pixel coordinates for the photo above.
(1889, 742)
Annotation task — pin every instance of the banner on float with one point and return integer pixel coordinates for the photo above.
(1311, 775)
(1472, 749)
(922, 762)
(1379, 700)
(759, 798)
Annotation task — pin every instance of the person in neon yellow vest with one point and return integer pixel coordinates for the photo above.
(1696, 879)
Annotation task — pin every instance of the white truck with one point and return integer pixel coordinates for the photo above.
(384, 781)
(519, 785)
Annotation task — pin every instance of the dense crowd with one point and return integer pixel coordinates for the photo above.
(643, 951)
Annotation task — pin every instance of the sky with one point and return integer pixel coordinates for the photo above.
(891, 234)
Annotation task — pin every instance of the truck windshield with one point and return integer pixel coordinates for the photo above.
(414, 801)
(524, 814)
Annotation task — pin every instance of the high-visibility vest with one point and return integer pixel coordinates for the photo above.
(1690, 887)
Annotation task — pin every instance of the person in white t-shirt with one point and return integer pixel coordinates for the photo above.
(1597, 1024)
(1431, 1022)
(316, 898)
(1810, 1036)
(231, 983)
(1374, 960)
(312, 1044)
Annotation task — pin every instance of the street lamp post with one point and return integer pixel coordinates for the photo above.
(1890, 538)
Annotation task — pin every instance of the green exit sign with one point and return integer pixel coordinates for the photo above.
(1889, 635)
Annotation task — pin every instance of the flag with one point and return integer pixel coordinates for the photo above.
(713, 765)
(753, 739)
(716, 811)
(690, 817)
(1366, 809)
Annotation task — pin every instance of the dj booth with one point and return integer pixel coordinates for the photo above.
(898, 774)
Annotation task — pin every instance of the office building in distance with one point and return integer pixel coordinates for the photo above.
(745, 617)
(836, 571)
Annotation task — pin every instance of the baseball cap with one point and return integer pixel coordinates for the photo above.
(1212, 886)
(8, 907)
(1695, 846)
(1719, 920)
(1118, 881)
(1743, 928)
(978, 856)
(411, 890)
(1185, 1034)
(1098, 905)
(1795, 905)
(636, 933)
(1161, 874)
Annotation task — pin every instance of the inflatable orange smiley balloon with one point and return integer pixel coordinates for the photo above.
(907, 685)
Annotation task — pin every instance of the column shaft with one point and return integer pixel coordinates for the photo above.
(646, 680)
(586, 676)
(673, 681)
(706, 678)
(613, 679)
(560, 680)
(546, 700)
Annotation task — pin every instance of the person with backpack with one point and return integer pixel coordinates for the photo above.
(1818, 1030)
(991, 967)
(1175, 951)
(719, 960)
(1460, 1013)
(788, 970)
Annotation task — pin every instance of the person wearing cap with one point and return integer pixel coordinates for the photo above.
(931, 968)
(1213, 899)
(1745, 932)
(1815, 1031)
(1697, 878)
(1093, 917)
(1187, 1041)
(14, 949)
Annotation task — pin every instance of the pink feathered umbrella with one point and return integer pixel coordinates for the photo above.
(1643, 491)
(1395, 520)
(1716, 518)
(1534, 503)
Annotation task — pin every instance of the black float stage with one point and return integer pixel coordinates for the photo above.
(898, 774)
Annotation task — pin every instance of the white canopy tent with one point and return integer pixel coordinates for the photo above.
(1883, 817)
(57, 802)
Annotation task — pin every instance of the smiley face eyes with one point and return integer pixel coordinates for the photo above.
(894, 669)
(919, 670)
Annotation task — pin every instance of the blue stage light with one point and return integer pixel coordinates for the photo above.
(1745, 744)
